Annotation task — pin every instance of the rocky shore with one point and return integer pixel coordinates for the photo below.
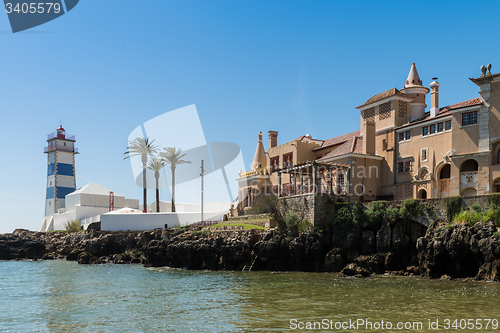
(457, 251)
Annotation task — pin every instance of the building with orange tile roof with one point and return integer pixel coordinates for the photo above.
(401, 151)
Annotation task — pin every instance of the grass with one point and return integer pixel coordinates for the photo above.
(244, 225)
(475, 215)
(72, 226)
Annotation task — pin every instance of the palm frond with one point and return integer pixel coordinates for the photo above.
(156, 164)
(173, 156)
(141, 147)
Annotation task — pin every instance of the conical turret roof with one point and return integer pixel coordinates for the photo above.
(259, 159)
(413, 78)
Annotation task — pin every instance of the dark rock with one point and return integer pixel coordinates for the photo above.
(367, 240)
(354, 270)
(334, 262)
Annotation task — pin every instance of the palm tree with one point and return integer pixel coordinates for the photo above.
(173, 157)
(143, 148)
(156, 164)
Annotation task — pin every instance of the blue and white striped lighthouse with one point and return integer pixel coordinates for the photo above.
(61, 178)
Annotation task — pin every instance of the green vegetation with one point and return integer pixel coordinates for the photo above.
(411, 208)
(290, 221)
(342, 221)
(72, 226)
(453, 206)
(428, 209)
(496, 234)
(378, 213)
(243, 225)
(476, 214)
(494, 199)
(450, 226)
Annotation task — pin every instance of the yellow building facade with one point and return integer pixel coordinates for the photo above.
(401, 151)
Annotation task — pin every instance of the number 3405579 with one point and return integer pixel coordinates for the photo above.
(33, 8)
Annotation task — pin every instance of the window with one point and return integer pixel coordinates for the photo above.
(405, 136)
(425, 130)
(433, 129)
(498, 157)
(384, 144)
(469, 118)
(275, 163)
(448, 125)
(423, 154)
(404, 166)
(440, 127)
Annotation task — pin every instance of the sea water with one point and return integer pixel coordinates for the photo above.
(63, 296)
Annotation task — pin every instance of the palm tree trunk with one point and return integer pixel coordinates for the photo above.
(173, 188)
(144, 185)
(157, 193)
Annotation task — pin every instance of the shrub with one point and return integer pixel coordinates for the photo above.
(342, 221)
(411, 208)
(468, 216)
(377, 212)
(493, 215)
(476, 207)
(496, 234)
(305, 226)
(453, 205)
(358, 213)
(494, 199)
(72, 226)
(428, 209)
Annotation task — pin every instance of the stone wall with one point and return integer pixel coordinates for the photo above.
(318, 209)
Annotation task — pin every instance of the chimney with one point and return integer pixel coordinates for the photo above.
(368, 133)
(434, 97)
(273, 139)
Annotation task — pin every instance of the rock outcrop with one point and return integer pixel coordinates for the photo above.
(461, 251)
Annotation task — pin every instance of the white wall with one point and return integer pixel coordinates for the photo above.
(149, 221)
(189, 207)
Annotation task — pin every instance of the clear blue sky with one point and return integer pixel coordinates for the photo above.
(293, 66)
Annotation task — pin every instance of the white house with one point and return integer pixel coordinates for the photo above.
(86, 205)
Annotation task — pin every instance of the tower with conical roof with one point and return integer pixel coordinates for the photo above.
(259, 159)
(253, 183)
(414, 89)
(61, 178)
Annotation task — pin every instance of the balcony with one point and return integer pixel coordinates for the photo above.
(61, 148)
(60, 136)
(468, 179)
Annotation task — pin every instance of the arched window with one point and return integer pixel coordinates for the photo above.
(469, 165)
(498, 157)
(445, 172)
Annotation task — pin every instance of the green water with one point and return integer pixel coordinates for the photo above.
(60, 296)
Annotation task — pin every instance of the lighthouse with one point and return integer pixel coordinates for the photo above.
(61, 179)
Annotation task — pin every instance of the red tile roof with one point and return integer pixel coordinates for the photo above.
(338, 140)
(309, 139)
(444, 111)
(353, 145)
(385, 94)
(470, 102)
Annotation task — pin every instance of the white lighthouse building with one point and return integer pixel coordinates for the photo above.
(61, 179)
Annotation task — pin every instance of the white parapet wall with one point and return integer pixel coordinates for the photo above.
(148, 221)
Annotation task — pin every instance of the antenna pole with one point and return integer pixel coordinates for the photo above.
(201, 174)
